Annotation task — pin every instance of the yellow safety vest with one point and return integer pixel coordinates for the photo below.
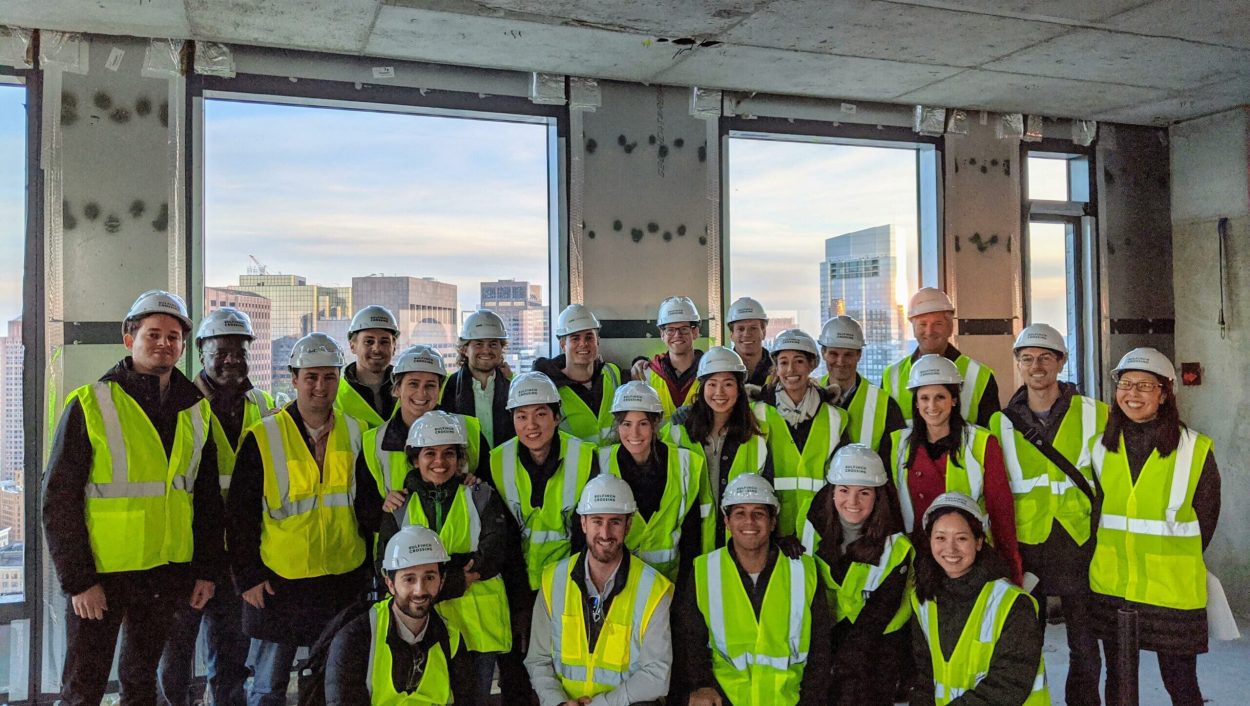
(976, 378)
(965, 474)
(619, 647)
(545, 535)
(751, 457)
(481, 614)
(847, 599)
(434, 689)
(970, 662)
(389, 468)
(757, 661)
(667, 402)
(256, 404)
(138, 501)
(1043, 493)
(1149, 544)
(800, 474)
(583, 422)
(867, 410)
(351, 403)
(656, 541)
(309, 524)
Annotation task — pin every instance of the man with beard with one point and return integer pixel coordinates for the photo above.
(586, 383)
(600, 632)
(365, 387)
(401, 650)
(131, 506)
(223, 339)
(480, 387)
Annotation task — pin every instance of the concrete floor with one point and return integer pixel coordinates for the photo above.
(1223, 673)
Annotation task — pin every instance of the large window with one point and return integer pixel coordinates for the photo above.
(1058, 287)
(820, 229)
(311, 213)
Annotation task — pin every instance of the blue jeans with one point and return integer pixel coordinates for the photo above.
(271, 672)
(227, 652)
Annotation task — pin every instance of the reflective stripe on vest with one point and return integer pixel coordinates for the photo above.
(1149, 545)
(656, 541)
(757, 660)
(138, 498)
(971, 659)
(545, 536)
(867, 410)
(970, 482)
(583, 422)
(847, 598)
(256, 405)
(800, 473)
(353, 405)
(618, 649)
(435, 684)
(667, 403)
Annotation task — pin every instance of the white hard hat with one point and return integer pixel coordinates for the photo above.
(606, 494)
(374, 316)
(677, 310)
(1041, 336)
(1148, 360)
(749, 488)
(856, 464)
(636, 396)
(928, 300)
(316, 350)
(412, 546)
(419, 359)
(958, 501)
(933, 369)
(437, 428)
(842, 332)
(720, 359)
(746, 309)
(532, 388)
(226, 321)
(574, 318)
(483, 324)
(158, 301)
(793, 339)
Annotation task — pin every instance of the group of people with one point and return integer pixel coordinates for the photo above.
(807, 540)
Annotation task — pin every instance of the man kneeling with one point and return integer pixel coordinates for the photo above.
(400, 651)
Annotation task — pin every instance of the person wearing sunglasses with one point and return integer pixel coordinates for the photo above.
(1160, 505)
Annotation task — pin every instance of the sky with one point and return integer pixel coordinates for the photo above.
(12, 199)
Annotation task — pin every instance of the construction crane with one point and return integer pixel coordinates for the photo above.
(257, 267)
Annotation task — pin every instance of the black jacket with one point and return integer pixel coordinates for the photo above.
(300, 608)
(1013, 666)
(69, 467)
(348, 670)
(692, 658)
(458, 399)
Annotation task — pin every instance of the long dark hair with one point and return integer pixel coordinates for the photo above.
(920, 431)
(881, 523)
(614, 436)
(930, 577)
(742, 425)
(1167, 434)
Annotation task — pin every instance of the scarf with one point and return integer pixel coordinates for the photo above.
(796, 414)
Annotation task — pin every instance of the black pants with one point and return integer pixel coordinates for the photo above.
(1084, 660)
(1179, 672)
(141, 604)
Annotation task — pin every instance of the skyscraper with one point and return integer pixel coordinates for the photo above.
(260, 310)
(859, 278)
(425, 308)
(13, 445)
(296, 306)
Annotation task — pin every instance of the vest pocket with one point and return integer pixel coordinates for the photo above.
(119, 540)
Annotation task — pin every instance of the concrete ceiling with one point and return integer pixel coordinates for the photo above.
(1133, 61)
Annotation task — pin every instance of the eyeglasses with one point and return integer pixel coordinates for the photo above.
(1140, 385)
(672, 331)
(1043, 358)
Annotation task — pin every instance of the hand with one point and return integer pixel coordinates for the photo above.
(639, 370)
(91, 603)
(394, 500)
(470, 576)
(202, 592)
(705, 697)
(505, 369)
(255, 596)
(790, 546)
(471, 480)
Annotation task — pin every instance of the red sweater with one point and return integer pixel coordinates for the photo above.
(926, 479)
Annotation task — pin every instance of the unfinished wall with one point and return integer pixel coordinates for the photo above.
(1135, 231)
(981, 210)
(1211, 180)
